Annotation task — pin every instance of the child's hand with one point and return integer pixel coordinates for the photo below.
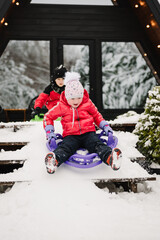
(50, 135)
(35, 112)
(105, 127)
(50, 132)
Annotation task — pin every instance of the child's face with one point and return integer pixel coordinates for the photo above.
(74, 102)
(59, 82)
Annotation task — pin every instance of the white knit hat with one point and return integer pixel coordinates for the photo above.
(74, 88)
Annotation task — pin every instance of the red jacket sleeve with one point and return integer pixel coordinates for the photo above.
(40, 101)
(52, 115)
(95, 113)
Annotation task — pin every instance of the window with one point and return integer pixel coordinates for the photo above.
(76, 58)
(126, 78)
(24, 72)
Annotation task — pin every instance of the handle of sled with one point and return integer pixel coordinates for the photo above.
(84, 161)
(52, 144)
(112, 140)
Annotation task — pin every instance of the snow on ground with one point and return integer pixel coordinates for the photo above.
(129, 117)
(67, 205)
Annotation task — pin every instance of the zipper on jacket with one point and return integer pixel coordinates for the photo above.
(79, 121)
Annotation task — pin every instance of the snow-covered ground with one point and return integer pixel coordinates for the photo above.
(67, 205)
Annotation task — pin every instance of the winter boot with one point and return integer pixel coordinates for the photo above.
(114, 159)
(51, 162)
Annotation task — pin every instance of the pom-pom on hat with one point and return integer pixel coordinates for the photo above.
(74, 88)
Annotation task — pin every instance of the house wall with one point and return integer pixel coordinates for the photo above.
(75, 24)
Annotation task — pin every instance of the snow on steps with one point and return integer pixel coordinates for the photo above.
(29, 138)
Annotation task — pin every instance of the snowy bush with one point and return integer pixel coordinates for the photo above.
(148, 127)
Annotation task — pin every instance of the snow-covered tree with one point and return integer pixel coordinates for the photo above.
(126, 77)
(82, 67)
(24, 72)
(15, 87)
(148, 127)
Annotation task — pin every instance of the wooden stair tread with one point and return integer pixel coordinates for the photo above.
(136, 179)
(137, 159)
(13, 143)
(15, 125)
(12, 161)
(5, 185)
(122, 124)
(128, 184)
(12, 146)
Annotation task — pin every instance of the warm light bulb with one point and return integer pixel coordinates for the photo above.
(145, 54)
(158, 46)
(136, 5)
(153, 23)
(142, 3)
(13, 1)
(2, 21)
(6, 23)
(17, 3)
(147, 26)
(155, 72)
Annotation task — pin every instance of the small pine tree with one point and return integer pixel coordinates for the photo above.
(148, 127)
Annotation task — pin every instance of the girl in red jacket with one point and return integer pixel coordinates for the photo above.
(78, 115)
(52, 92)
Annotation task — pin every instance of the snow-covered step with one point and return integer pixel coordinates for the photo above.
(7, 146)
(8, 180)
(7, 185)
(137, 159)
(17, 125)
(9, 165)
(127, 127)
(12, 162)
(127, 184)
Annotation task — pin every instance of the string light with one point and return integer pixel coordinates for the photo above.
(147, 26)
(155, 72)
(13, 1)
(136, 5)
(6, 23)
(142, 3)
(2, 21)
(158, 46)
(145, 54)
(17, 3)
(153, 23)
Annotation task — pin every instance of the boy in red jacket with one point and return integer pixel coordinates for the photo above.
(78, 115)
(52, 92)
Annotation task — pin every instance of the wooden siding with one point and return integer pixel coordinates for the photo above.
(4, 6)
(81, 22)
